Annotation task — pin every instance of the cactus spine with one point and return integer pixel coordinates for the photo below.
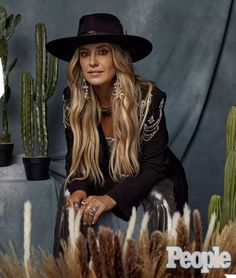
(39, 93)
(7, 29)
(227, 211)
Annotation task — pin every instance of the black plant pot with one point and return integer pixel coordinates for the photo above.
(6, 154)
(36, 168)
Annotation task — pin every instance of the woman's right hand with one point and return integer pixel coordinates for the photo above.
(77, 196)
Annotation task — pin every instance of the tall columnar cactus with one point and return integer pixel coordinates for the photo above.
(229, 200)
(39, 92)
(227, 210)
(231, 131)
(27, 114)
(7, 29)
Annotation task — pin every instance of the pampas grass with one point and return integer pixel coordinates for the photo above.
(209, 233)
(106, 248)
(175, 219)
(197, 231)
(27, 236)
(144, 245)
(94, 252)
(133, 263)
(131, 226)
(118, 261)
(157, 253)
(106, 255)
(197, 243)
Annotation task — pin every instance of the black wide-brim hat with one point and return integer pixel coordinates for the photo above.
(96, 28)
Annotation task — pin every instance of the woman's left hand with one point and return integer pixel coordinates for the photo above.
(94, 206)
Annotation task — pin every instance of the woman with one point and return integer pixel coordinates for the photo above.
(115, 129)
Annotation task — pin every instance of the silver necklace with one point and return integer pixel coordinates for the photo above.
(107, 110)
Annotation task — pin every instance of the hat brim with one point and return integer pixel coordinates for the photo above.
(64, 48)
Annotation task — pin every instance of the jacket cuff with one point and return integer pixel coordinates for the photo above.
(79, 185)
(122, 209)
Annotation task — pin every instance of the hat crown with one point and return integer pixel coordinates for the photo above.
(102, 23)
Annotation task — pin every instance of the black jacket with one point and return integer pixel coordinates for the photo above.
(156, 161)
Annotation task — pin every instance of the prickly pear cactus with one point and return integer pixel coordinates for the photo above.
(7, 28)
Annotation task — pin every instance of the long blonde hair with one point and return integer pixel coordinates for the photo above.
(84, 115)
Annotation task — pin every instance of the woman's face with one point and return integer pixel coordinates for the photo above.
(97, 64)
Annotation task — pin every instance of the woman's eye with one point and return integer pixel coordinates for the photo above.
(83, 53)
(103, 52)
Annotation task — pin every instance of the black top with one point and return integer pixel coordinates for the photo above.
(156, 162)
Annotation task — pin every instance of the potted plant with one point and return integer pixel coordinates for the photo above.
(7, 29)
(35, 94)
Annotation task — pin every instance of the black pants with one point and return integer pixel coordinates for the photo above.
(160, 205)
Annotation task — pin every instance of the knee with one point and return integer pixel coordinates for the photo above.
(159, 212)
(160, 205)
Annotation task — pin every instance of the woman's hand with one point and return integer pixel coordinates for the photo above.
(94, 206)
(76, 198)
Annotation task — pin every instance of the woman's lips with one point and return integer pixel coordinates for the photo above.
(95, 73)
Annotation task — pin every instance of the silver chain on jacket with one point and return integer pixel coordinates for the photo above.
(152, 124)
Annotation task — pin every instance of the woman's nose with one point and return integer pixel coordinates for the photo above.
(93, 60)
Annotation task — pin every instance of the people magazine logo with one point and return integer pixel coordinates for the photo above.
(204, 260)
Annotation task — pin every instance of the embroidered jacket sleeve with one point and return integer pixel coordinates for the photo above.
(154, 160)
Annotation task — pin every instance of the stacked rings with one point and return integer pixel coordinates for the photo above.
(76, 204)
(83, 203)
(92, 211)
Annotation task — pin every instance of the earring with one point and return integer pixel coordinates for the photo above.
(85, 89)
(118, 94)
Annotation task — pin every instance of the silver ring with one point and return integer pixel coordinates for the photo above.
(92, 211)
(83, 203)
(76, 204)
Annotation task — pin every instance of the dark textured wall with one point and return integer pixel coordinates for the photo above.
(193, 61)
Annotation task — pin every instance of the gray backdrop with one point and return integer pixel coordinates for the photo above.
(193, 61)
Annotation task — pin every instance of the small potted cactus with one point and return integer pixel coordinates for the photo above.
(7, 29)
(35, 94)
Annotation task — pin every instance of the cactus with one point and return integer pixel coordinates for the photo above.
(229, 199)
(27, 114)
(35, 96)
(231, 131)
(227, 211)
(215, 206)
(7, 29)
